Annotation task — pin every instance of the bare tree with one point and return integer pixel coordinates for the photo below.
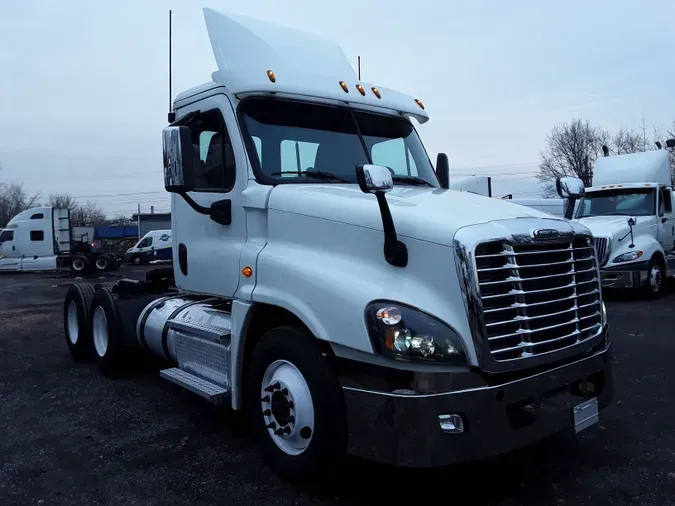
(626, 141)
(571, 150)
(87, 215)
(14, 199)
(62, 201)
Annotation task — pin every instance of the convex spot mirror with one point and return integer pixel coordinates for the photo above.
(178, 159)
(374, 178)
(570, 187)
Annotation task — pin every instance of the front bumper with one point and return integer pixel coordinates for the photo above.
(633, 275)
(404, 430)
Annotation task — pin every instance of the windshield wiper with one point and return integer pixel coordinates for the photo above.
(316, 174)
(412, 180)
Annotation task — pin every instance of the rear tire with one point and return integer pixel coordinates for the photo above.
(292, 389)
(653, 286)
(79, 264)
(108, 348)
(104, 263)
(137, 261)
(76, 323)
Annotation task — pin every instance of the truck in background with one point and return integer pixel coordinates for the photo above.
(41, 238)
(345, 303)
(629, 209)
(153, 246)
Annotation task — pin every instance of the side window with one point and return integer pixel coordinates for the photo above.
(37, 216)
(146, 242)
(7, 235)
(37, 235)
(214, 157)
(395, 155)
(297, 156)
(666, 201)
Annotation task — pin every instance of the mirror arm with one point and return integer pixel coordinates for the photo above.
(194, 205)
(395, 252)
(569, 209)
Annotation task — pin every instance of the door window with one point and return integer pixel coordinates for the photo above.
(37, 235)
(666, 204)
(213, 154)
(7, 235)
(145, 243)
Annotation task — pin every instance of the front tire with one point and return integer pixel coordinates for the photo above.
(76, 323)
(653, 287)
(296, 407)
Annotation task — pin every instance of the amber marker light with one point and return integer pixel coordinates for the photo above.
(247, 272)
(419, 102)
(344, 86)
(377, 92)
(272, 76)
(361, 90)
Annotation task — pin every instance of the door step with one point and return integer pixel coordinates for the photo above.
(215, 394)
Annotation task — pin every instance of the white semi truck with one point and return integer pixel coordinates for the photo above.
(629, 209)
(41, 238)
(327, 284)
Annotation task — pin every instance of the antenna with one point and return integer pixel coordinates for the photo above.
(172, 114)
(359, 65)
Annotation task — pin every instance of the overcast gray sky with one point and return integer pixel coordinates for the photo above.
(83, 84)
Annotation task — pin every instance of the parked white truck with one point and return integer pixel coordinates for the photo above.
(629, 209)
(41, 238)
(326, 284)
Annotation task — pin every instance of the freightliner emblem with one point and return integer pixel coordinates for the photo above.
(546, 233)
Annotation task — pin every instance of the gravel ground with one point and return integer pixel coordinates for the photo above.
(71, 436)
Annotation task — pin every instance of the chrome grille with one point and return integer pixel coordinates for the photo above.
(537, 298)
(601, 249)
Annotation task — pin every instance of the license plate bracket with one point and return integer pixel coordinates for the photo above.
(585, 414)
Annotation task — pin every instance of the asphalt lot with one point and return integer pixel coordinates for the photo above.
(71, 436)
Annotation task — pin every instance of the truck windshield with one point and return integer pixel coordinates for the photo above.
(301, 142)
(621, 202)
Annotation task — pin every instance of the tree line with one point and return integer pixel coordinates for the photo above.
(14, 198)
(572, 148)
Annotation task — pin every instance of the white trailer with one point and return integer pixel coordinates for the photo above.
(329, 286)
(629, 209)
(41, 238)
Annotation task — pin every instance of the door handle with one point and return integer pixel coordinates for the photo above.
(663, 220)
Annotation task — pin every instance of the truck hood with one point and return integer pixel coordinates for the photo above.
(428, 214)
(613, 226)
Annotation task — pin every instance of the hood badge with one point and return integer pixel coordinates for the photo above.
(546, 233)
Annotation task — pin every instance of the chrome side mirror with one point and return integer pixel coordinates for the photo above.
(178, 159)
(374, 178)
(570, 187)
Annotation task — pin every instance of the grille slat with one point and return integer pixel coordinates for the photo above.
(602, 249)
(538, 298)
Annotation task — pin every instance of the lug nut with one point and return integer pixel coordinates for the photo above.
(272, 388)
(271, 425)
(286, 430)
(284, 391)
(267, 412)
(265, 399)
(279, 432)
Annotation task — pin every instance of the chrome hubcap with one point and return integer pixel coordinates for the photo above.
(655, 278)
(287, 407)
(73, 323)
(100, 331)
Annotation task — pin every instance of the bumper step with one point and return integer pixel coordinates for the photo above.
(213, 393)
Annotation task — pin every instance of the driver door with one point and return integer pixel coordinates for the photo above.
(666, 221)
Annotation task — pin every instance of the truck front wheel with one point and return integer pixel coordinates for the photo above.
(655, 278)
(296, 407)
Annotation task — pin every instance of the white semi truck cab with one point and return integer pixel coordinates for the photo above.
(328, 286)
(629, 209)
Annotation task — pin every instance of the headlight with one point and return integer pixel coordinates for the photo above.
(408, 334)
(627, 257)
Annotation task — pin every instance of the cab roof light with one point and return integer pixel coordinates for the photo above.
(344, 86)
(419, 102)
(272, 76)
(361, 90)
(376, 92)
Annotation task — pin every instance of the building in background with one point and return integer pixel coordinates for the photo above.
(147, 222)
